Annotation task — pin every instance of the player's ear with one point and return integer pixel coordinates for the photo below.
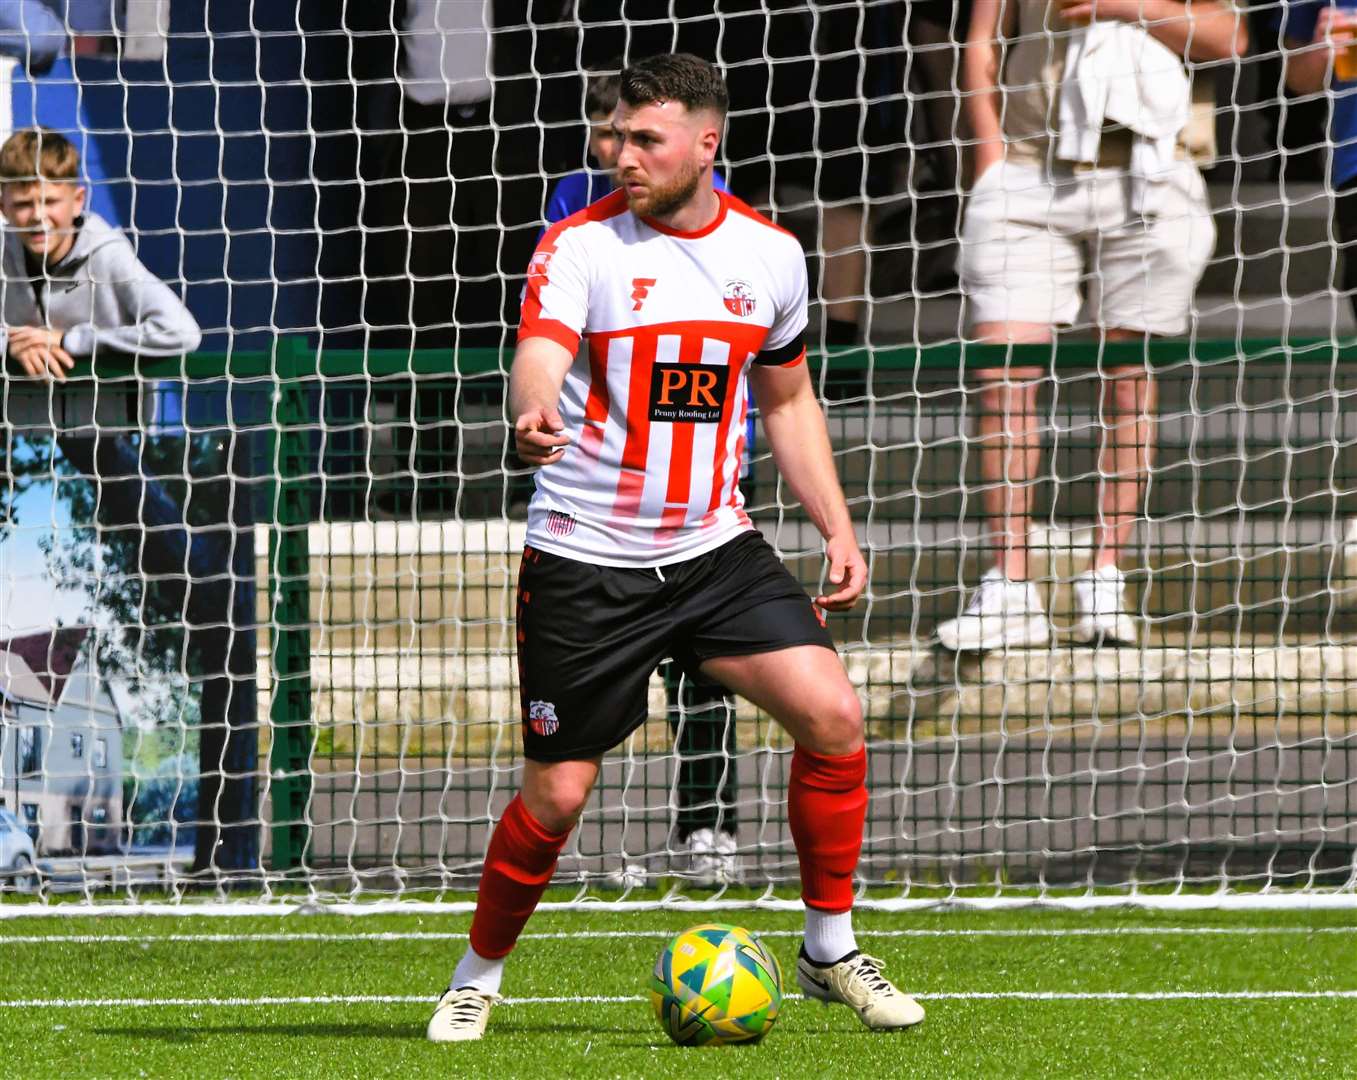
(709, 139)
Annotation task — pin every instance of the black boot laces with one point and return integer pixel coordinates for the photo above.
(869, 970)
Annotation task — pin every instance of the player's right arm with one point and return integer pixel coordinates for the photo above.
(535, 380)
(555, 308)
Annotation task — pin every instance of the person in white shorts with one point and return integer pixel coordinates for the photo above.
(1088, 136)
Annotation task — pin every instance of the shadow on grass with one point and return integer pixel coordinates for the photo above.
(183, 1034)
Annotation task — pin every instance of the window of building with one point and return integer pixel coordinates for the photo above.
(30, 750)
(101, 753)
(77, 745)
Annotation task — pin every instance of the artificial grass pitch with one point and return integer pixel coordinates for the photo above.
(1106, 993)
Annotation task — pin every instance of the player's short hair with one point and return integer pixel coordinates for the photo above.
(600, 93)
(38, 153)
(680, 77)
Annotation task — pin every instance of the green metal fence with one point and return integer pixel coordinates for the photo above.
(391, 722)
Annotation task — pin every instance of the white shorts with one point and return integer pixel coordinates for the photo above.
(1035, 244)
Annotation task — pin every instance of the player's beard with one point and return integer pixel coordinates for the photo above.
(663, 200)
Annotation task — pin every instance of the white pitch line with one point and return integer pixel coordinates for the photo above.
(423, 999)
(436, 935)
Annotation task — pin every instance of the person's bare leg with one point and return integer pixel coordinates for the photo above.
(804, 688)
(1010, 443)
(1127, 414)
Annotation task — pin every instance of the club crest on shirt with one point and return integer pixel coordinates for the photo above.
(739, 297)
(542, 717)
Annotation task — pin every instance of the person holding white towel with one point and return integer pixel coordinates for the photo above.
(1088, 130)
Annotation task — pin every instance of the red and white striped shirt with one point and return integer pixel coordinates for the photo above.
(655, 401)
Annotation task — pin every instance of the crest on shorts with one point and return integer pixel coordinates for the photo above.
(559, 524)
(739, 297)
(542, 718)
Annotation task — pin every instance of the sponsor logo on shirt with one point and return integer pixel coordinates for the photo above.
(640, 289)
(740, 298)
(542, 718)
(688, 393)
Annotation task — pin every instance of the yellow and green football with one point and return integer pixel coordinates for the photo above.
(715, 984)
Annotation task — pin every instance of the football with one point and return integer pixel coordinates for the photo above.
(715, 984)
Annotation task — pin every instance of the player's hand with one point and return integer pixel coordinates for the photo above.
(847, 572)
(538, 436)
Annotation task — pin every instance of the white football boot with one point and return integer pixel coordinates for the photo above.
(856, 981)
(1001, 614)
(1100, 605)
(712, 859)
(460, 1016)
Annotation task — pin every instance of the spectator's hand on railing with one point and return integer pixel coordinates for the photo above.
(38, 351)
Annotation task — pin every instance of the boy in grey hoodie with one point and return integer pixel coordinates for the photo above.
(70, 283)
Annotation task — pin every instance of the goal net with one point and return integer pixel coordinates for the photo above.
(258, 600)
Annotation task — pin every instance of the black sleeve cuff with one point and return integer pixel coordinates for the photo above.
(783, 354)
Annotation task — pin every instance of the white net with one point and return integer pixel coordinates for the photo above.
(258, 601)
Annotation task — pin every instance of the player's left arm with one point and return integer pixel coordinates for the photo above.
(795, 427)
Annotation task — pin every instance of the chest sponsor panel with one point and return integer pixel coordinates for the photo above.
(688, 393)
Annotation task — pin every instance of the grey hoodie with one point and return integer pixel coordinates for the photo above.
(100, 295)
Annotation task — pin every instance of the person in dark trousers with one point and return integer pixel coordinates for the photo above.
(452, 211)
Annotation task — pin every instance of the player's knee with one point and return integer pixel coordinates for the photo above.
(556, 802)
(836, 728)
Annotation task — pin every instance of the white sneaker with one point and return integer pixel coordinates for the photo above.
(712, 859)
(460, 1016)
(856, 981)
(1000, 614)
(1100, 601)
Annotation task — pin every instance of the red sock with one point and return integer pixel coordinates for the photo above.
(518, 866)
(826, 808)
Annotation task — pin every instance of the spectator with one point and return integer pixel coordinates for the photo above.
(702, 717)
(454, 210)
(33, 33)
(935, 30)
(831, 140)
(1321, 55)
(71, 283)
(1087, 139)
(455, 207)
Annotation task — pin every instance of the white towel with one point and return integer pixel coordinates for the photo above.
(1118, 73)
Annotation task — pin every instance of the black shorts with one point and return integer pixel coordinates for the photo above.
(589, 636)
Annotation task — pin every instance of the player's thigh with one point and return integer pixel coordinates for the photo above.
(750, 625)
(588, 638)
(1019, 263)
(804, 688)
(1148, 272)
